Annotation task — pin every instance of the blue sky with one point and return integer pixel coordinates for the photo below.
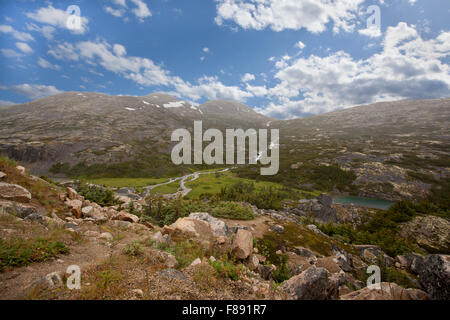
(284, 58)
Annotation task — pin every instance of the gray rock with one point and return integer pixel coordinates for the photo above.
(325, 200)
(277, 228)
(242, 244)
(218, 227)
(14, 192)
(265, 271)
(18, 209)
(173, 274)
(311, 284)
(435, 276)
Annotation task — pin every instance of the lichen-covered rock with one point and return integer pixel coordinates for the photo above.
(243, 244)
(14, 192)
(219, 227)
(435, 276)
(195, 227)
(18, 209)
(429, 232)
(311, 284)
(387, 291)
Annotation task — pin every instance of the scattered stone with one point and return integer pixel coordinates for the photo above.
(314, 229)
(218, 227)
(122, 224)
(21, 170)
(253, 262)
(14, 192)
(265, 271)
(138, 293)
(73, 195)
(2, 175)
(91, 234)
(106, 236)
(279, 252)
(243, 244)
(50, 281)
(125, 216)
(212, 259)
(173, 274)
(387, 291)
(196, 262)
(34, 217)
(221, 240)
(277, 228)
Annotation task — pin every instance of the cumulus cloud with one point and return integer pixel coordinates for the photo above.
(34, 91)
(25, 48)
(279, 15)
(22, 36)
(10, 53)
(140, 10)
(57, 18)
(408, 67)
(47, 65)
(248, 77)
(144, 71)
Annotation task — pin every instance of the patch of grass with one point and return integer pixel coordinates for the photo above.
(133, 249)
(231, 210)
(18, 252)
(127, 182)
(170, 188)
(227, 270)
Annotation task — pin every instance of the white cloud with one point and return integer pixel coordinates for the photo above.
(46, 31)
(47, 65)
(115, 12)
(57, 18)
(142, 10)
(10, 53)
(144, 71)
(205, 50)
(279, 15)
(4, 103)
(408, 67)
(300, 45)
(34, 91)
(25, 48)
(247, 77)
(373, 32)
(22, 36)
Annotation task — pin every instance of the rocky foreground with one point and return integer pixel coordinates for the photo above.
(198, 256)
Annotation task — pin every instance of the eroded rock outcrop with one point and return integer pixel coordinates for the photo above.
(14, 192)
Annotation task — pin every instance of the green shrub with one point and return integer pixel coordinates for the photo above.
(101, 196)
(226, 269)
(133, 249)
(22, 252)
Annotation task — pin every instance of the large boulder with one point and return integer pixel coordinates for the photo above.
(20, 210)
(14, 192)
(125, 216)
(435, 276)
(243, 244)
(96, 214)
(311, 284)
(75, 207)
(197, 228)
(429, 232)
(219, 227)
(73, 195)
(387, 291)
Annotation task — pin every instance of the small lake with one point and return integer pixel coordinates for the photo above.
(364, 202)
